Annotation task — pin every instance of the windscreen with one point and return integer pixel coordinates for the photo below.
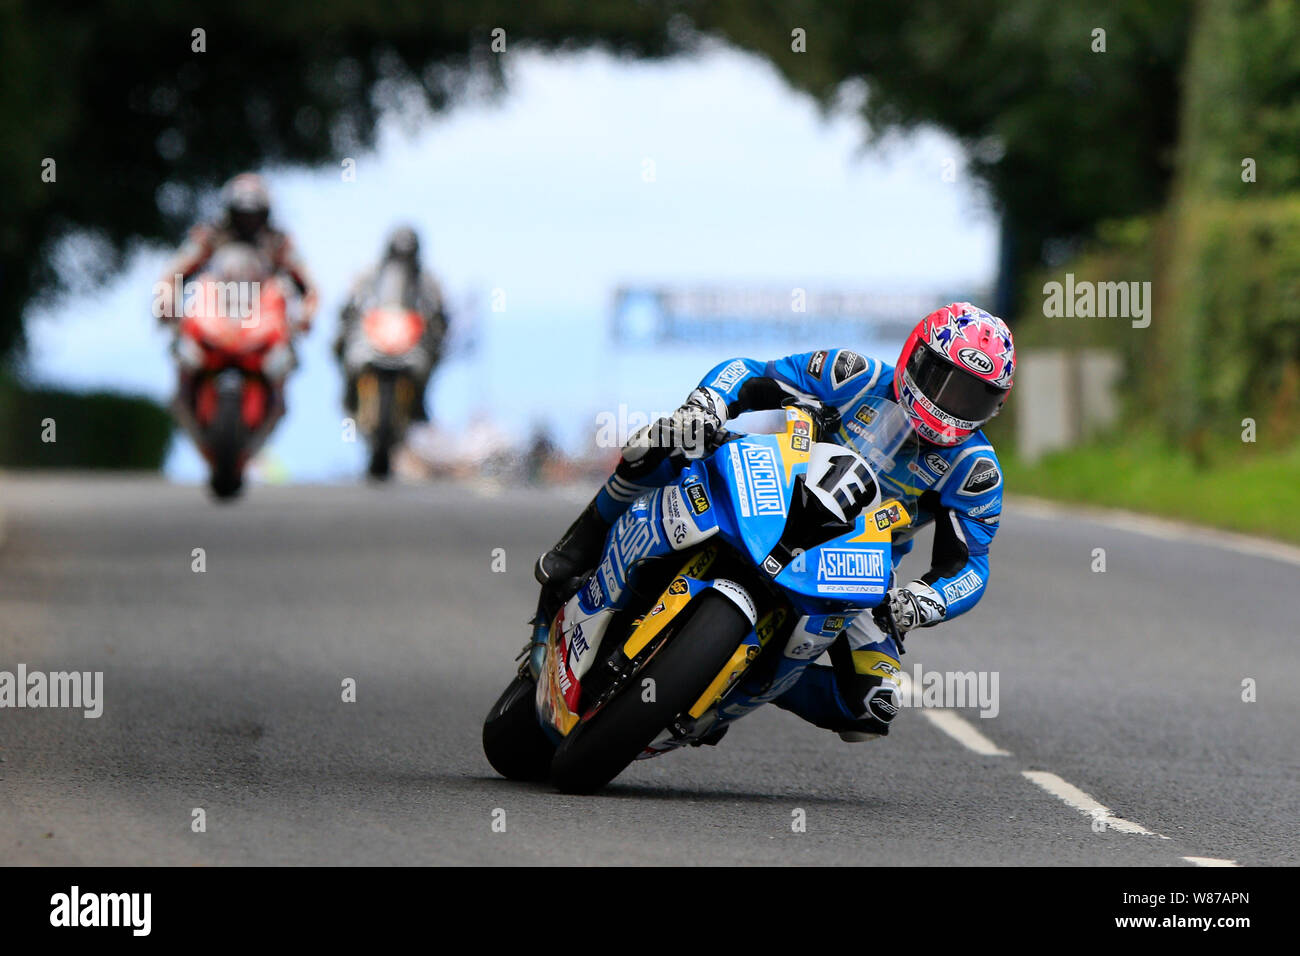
(237, 262)
(878, 430)
(395, 286)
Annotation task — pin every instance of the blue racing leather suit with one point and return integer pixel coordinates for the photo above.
(957, 488)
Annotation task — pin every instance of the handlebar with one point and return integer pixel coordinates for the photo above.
(825, 418)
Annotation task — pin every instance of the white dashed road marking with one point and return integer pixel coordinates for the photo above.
(1070, 794)
(963, 731)
(953, 724)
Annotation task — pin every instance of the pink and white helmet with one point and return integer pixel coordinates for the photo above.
(955, 371)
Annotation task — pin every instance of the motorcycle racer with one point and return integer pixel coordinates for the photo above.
(246, 212)
(953, 375)
(418, 290)
(256, 251)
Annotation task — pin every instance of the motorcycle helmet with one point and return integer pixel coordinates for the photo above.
(247, 204)
(955, 372)
(403, 243)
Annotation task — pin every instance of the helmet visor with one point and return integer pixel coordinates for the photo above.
(248, 223)
(966, 399)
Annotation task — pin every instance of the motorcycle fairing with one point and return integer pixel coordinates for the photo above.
(758, 477)
(388, 339)
(393, 331)
(677, 517)
(811, 637)
(259, 404)
(236, 339)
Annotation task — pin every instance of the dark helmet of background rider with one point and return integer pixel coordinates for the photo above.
(247, 204)
(403, 243)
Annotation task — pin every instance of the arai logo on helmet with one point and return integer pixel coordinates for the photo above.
(975, 360)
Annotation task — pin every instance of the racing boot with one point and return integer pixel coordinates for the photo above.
(574, 554)
(559, 570)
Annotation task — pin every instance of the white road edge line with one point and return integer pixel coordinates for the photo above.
(1071, 795)
(1210, 861)
(953, 724)
(1165, 528)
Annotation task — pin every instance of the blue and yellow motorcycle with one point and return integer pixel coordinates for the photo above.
(712, 595)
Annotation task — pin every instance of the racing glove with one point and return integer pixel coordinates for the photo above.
(689, 430)
(306, 313)
(825, 417)
(915, 605)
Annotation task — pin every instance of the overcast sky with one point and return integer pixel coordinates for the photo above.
(588, 173)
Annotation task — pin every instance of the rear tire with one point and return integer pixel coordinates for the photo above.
(595, 753)
(513, 740)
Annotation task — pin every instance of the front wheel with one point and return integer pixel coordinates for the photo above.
(513, 740)
(227, 445)
(380, 465)
(596, 752)
(385, 436)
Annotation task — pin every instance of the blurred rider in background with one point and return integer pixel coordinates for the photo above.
(242, 246)
(397, 279)
(246, 219)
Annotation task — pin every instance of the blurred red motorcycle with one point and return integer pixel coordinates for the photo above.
(234, 349)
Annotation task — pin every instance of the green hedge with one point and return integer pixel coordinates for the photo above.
(1224, 340)
(1240, 101)
(90, 430)
(1234, 312)
(1122, 251)
(1223, 256)
(1233, 302)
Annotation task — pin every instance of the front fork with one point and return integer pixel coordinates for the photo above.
(536, 649)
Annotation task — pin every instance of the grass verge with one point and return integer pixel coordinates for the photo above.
(1246, 489)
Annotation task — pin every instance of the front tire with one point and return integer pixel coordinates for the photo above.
(227, 477)
(513, 740)
(385, 429)
(595, 753)
(380, 463)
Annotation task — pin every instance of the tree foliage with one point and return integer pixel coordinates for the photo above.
(1232, 290)
(1064, 133)
(139, 123)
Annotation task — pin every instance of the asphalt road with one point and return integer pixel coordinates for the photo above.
(222, 691)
